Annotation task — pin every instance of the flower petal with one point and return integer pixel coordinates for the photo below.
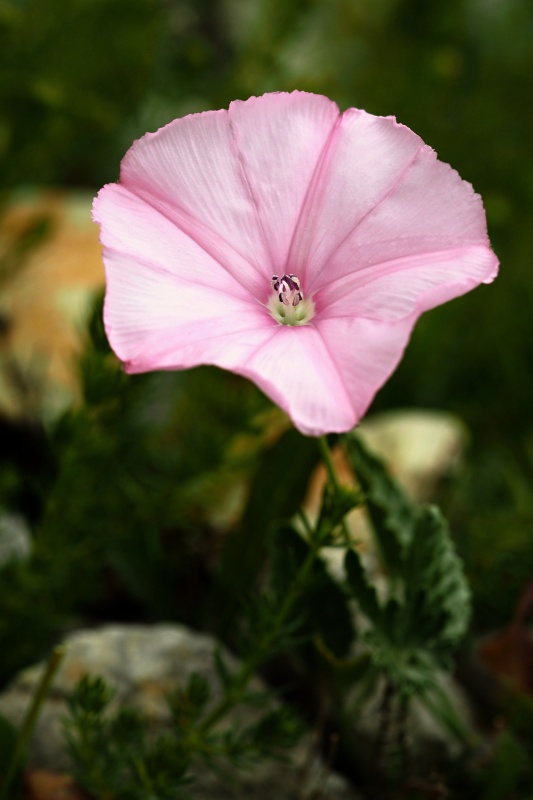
(189, 171)
(156, 322)
(280, 139)
(408, 285)
(238, 175)
(380, 195)
(366, 157)
(366, 352)
(131, 226)
(428, 211)
(296, 370)
(169, 304)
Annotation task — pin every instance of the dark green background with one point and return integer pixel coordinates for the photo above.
(80, 79)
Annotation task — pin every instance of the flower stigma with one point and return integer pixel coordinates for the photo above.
(287, 304)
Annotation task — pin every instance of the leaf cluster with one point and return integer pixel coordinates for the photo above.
(130, 490)
(117, 756)
(418, 618)
(320, 610)
(114, 756)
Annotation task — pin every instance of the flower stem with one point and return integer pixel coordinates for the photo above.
(235, 693)
(334, 481)
(30, 720)
(327, 458)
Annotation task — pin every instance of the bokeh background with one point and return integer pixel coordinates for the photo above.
(126, 491)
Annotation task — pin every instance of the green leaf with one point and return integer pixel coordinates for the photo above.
(117, 756)
(392, 513)
(322, 608)
(439, 705)
(187, 704)
(437, 598)
(279, 485)
(502, 777)
(127, 729)
(361, 588)
(335, 505)
(91, 695)
(279, 728)
(224, 673)
(198, 692)
(426, 606)
(431, 600)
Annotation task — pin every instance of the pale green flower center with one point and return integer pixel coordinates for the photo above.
(287, 304)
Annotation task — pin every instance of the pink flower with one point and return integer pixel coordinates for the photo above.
(288, 243)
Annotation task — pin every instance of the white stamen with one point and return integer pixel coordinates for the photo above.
(287, 304)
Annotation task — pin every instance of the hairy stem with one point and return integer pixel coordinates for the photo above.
(30, 720)
(240, 681)
(327, 458)
(385, 724)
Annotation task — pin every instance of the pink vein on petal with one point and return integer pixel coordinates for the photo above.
(156, 268)
(120, 236)
(365, 159)
(276, 330)
(295, 264)
(177, 324)
(210, 242)
(281, 389)
(188, 172)
(279, 140)
(378, 202)
(254, 200)
(471, 264)
(336, 367)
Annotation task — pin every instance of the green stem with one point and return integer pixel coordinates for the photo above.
(327, 458)
(32, 715)
(334, 481)
(235, 693)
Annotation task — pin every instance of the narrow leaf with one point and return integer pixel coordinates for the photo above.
(361, 589)
(322, 608)
(442, 710)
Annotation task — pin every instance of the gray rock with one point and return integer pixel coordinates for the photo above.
(142, 664)
(15, 539)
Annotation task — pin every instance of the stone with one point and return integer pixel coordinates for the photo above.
(420, 446)
(15, 538)
(142, 663)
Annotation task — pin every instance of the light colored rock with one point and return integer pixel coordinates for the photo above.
(420, 446)
(142, 664)
(15, 539)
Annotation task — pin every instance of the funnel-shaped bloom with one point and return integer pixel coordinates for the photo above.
(289, 243)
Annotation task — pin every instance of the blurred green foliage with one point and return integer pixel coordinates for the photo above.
(79, 80)
(132, 497)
